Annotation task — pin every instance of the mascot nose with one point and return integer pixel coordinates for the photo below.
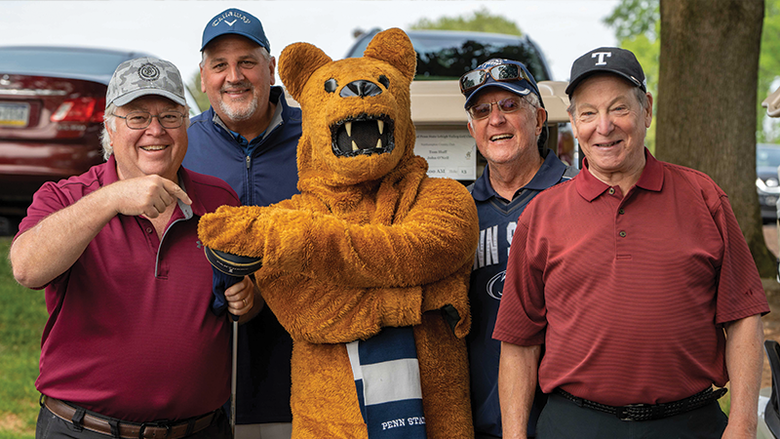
(360, 89)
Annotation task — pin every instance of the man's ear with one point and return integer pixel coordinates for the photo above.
(202, 81)
(573, 125)
(272, 66)
(541, 118)
(649, 111)
(471, 128)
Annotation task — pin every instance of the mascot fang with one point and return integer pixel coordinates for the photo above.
(367, 267)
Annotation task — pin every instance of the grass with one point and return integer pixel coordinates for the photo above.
(22, 317)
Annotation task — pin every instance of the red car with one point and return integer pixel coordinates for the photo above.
(51, 115)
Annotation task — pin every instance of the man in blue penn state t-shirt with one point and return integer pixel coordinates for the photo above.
(508, 122)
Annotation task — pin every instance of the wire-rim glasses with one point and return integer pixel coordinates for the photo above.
(138, 120)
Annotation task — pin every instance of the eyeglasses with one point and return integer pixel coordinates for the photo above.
(481, 111)
(501, 72)
(138, 120)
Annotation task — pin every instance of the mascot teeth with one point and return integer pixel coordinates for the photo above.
(362, 135)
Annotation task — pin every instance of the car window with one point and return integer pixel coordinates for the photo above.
(768, 156)
(59, 61)
(446, 55)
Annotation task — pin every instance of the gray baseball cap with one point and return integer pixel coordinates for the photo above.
(142, 77)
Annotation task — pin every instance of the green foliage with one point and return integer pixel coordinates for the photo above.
(635, 17)
(769, 70)
(479, 21)
(637, 25)
(22, 318)
(725, 403)
(200, 98)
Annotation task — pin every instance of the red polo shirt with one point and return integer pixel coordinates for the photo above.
(130, 333)
(629, 294)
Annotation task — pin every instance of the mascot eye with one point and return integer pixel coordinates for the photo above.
(384, 81)
(331, 85)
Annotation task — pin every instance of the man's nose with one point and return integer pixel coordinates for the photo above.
(605, 124)
(235, 74)
(155, 127)
(496, 116)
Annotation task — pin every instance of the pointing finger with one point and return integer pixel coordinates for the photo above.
(177, 192)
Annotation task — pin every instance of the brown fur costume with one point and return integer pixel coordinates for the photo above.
(370, 242)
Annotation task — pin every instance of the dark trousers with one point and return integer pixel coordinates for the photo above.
(563, 419)
(52, 427)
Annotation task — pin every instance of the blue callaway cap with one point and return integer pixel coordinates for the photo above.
(523, 84)
(235, 21)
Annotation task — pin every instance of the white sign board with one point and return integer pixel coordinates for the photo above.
(450, 153)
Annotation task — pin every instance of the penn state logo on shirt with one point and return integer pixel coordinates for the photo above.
(495, 285)
(149, 72)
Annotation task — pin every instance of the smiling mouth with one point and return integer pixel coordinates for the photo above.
(607, 145)
(362, 135)
(501, 137)
(154, 147)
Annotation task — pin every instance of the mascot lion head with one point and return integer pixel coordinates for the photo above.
(357, 124)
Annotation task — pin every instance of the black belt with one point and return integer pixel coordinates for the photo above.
(120, 429)
(648, 412)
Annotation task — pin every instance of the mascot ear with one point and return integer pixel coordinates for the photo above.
(297, 63)
(394, 47)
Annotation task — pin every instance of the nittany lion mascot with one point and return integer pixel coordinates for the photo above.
(368, 266)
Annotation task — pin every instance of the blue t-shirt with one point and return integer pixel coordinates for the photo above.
(497, 223)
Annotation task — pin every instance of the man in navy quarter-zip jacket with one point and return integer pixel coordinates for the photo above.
(249, 138)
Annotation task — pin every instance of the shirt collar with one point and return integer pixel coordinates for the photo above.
(548, 174)
(590, 187)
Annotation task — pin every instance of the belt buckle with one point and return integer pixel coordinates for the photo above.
(157, 424)
(629, 413)
(641, 412)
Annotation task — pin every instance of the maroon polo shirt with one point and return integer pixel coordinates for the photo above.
(629, 294)
(130, 333)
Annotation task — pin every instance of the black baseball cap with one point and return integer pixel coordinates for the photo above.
(614, 60)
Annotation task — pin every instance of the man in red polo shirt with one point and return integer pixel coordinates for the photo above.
(132, 347)
(637, 280)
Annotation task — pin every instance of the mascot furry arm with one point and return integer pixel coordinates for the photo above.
(370, 242)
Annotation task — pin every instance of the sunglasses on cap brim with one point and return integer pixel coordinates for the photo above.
(501, 72)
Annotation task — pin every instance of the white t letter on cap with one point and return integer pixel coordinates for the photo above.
(601, 56)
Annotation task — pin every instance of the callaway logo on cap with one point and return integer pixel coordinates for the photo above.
(607, 59)
(235, 21)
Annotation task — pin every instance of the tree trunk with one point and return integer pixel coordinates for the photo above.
(706, 105)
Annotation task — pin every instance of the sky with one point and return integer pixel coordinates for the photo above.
(172, 30)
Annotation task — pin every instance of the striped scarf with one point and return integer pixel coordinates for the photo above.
(387, 377)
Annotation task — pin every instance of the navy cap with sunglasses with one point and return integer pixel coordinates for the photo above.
(507, 74)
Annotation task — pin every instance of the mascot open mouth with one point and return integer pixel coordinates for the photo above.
(362, 135)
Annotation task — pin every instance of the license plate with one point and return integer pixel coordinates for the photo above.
(14, 114)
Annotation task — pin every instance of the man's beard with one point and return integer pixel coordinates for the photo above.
(243, 112)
